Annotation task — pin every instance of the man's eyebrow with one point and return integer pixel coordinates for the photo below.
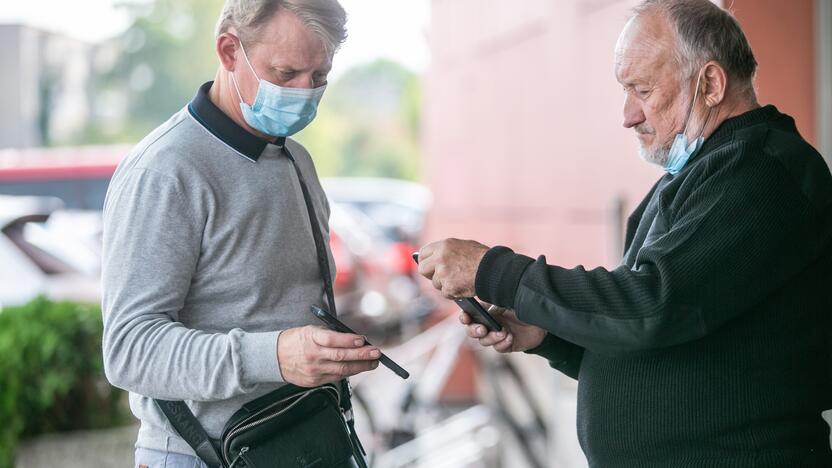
(289, 68)
(635, 81)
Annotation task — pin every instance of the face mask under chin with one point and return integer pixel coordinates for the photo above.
(681, 150)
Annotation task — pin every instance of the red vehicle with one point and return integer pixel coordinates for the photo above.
(78, 176)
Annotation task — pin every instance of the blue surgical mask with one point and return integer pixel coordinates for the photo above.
(681, 151)
(279, 111)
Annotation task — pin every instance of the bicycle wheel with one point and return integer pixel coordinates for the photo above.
(365, 426)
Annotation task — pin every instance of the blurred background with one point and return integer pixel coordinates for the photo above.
(497, 121)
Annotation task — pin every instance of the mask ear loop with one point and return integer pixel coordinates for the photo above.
(245, 56)
(707, 119)
(690, 110)
(234, 80)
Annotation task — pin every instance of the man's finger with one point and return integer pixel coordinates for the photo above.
(364, 353)
(427, 250)
(476, 331)
(333, 339)
(346, 369)
(464, 318)
(427, 265)
(436, 283)
(505, 345)
(425, 269)
(493, 338)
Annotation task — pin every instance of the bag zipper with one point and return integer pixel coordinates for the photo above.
(226, 449)
(237, 458)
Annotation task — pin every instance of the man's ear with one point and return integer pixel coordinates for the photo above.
(714, 83)
(227, 45)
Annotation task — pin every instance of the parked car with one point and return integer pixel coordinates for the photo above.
(390, 215)
(348, 274)
(40, 256)
(79, 176)
(397, 207)
(375, 225)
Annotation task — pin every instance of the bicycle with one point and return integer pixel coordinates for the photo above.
(406, 425)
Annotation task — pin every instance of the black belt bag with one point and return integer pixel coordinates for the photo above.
(291, 426)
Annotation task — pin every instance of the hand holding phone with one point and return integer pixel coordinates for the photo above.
(473, 308)
(334, 324)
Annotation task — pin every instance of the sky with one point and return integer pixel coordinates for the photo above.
(394, 29)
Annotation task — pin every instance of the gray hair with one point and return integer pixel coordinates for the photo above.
(707, 32)
(324, 17)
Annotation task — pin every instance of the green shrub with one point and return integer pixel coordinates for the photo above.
(52, 374)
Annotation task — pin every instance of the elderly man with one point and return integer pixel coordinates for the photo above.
(211, 233)
(710, 344)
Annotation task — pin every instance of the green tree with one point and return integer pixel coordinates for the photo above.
(367, 124)
(163, 57)
(52, 373)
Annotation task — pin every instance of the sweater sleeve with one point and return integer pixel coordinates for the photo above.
(561, 354)
(152, 241)
(740, 234)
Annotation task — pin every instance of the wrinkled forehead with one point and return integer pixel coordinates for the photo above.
(645, 50)
(285, 38)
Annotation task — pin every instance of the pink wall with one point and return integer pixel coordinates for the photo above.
(522, 128)
(782, 35)
(523, 131)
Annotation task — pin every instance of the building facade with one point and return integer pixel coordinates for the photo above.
(45, 86)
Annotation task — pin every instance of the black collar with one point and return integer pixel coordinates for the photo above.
(725, 131)
(221, 126)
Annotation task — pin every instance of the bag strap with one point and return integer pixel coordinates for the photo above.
(181, 417)
(320, 247)
(186, 424)
(323, 266)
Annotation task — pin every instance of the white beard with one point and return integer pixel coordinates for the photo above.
(656, 156)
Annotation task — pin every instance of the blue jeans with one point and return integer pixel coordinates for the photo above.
(147, 458)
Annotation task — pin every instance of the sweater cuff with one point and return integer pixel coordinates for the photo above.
(562, 355)
(547, 348)
(258, 357)
(498, 276)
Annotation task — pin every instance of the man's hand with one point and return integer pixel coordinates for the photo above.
(452, 265)
(516, 336)
(311, 356)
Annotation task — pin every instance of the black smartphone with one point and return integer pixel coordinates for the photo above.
(334, 324)
(473, 308)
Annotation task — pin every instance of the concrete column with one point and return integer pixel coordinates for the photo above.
(823, 67)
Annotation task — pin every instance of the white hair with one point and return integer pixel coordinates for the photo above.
(706, 32)
(324, 17)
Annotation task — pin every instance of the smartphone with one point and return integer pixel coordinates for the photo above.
(473, 308)
(334, 324)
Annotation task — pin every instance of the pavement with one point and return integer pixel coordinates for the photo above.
(81, 449)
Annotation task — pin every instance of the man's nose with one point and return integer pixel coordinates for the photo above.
(633, 114)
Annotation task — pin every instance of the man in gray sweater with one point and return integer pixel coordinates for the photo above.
(209, 264)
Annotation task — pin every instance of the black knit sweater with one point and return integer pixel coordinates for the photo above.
(709, 346)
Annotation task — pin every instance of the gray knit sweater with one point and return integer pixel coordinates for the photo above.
(208, 255)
